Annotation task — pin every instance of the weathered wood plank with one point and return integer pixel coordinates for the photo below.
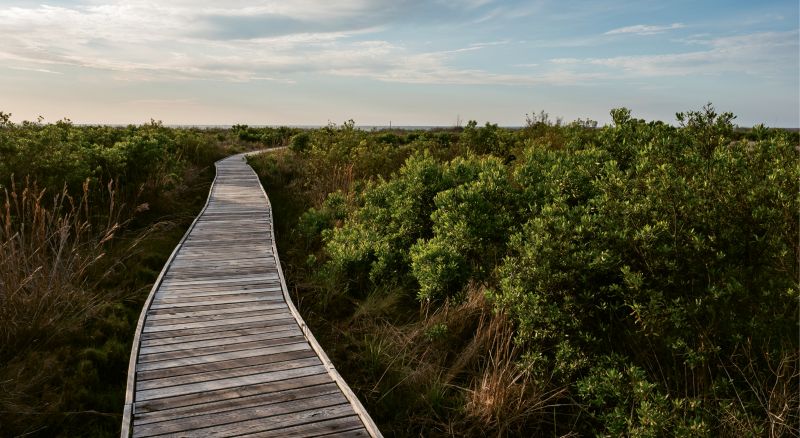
(247, 222)
(358, 432)
(343, 426)
(241, 415)
(221, 260)
(216, 240)
(237, 403)
(188, 302)
(229, 261)
(289, 352)
(224, 348)
(202, 231)
(217, 270)
(197, 272)
(243, 312)
(206, 324)
(222, 281)
(188, 253)
(244, 287)
(230, 373)
(218, 357)
(181, 342)
(288, 331)
(226, 383)
(276, 422)
(223, 328)
(217, 292)
(219, 297)
(243, 234)
(164, 315)
(174, 280)
(178, 310)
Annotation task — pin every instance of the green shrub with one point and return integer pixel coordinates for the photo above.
(393, 215)
(314, 221)
(489, 139)
(627, 403)
(649, 271)
(300, 143)
(470, 226)
(83, 235)
(675, 257)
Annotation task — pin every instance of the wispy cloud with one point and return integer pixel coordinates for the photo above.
(163, 102)
(275, 40)
(644, 29)
(146, 41)
(512, 12)
(272, 41)
(765, 55)
(434, 68)
(37, 70)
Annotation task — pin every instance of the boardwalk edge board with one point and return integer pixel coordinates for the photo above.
(345, 388)
(220, 186)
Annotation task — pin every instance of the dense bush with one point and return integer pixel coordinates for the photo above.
(88, 215)
(470, 225)
(649, 272)
(685, 254)
(393, 215)
(147, 158)
(265, 136)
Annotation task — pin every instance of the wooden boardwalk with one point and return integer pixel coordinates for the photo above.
(220, 350)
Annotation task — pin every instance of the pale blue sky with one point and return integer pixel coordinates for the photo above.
(409, 62)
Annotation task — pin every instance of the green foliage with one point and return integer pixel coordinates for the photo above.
(682, 253)
(300, 142)
(707, 129)
(470, 226)
(314, 221)
(267, 136)
(393, 215)
(626, 403)
(439, 268)
(79, 255)
(636, 261)
(436, 332)
(489, 139)
(148, 156)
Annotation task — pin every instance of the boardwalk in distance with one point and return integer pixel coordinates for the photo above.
(220, 350)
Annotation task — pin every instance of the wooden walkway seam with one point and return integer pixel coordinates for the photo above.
(219, 348)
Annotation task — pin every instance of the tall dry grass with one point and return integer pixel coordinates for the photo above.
(64, 306)
(504, 397)
(76, 261)
(49, 246)
(454, 370)
(51, 258)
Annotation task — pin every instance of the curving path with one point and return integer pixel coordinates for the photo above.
(220, 349)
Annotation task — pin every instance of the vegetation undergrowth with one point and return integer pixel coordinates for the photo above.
(636, 279)
(88, 216)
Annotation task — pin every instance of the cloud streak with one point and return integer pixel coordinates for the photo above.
(273, 41)
(765, 55)
(37, 70)
(644, 29)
